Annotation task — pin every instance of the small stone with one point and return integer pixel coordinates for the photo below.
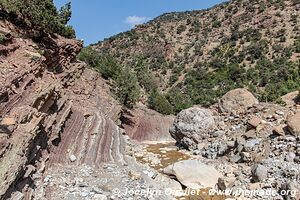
(290, 157)
(46, 179)
(235, 158)
(254, 121)
(279, 130)
(254, 186)
(250, 144)
(259, 173)
(197, 152)
(8, 121)
(231, 144)
(278, 112)
(134, 175)
(72, 158)
(290, 139)
(217, 133)
(18, 196)
(226, 183)
(246, 157)
(100, 197)
(201, 146)
(97, 190)
(251, 134)
(84, 194)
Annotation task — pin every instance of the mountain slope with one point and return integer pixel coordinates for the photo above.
(198, 56)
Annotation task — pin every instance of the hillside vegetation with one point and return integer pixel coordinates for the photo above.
(40, 15)
(195, 57)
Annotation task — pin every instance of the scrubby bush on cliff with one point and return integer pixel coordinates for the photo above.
(106, 65)
(147, 80)
(42, 15)
(125, 83)
(2, 38)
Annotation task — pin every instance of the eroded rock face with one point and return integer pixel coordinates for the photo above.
(191, 126)
(293, 123)
(237, 101)
(143, 124)
(194, 174)
(52, 108)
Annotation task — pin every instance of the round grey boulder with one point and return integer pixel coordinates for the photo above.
(191, 126)
(259, 173)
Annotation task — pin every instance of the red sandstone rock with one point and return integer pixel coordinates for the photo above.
(144, 124)
(48, 97)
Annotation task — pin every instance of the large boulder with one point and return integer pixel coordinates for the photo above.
(194, 174)
(237, 101)
(191, 126)
(291, 98)
(293, 123)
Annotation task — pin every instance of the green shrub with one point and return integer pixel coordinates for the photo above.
(181, 29)
(178, 100)
(3, 39)
(147, 80)
(159, 103)
(216, 24)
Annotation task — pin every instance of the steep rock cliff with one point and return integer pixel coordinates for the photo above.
(51, 107)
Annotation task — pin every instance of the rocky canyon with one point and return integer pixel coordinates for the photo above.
(67, 133)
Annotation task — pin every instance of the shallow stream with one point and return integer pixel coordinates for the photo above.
(168, 154)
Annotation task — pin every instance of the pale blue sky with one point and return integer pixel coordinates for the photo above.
(95, 20)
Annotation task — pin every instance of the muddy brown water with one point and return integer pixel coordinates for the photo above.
(168, 154)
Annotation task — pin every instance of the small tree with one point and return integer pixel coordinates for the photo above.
(127, 88)
(65, 13)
